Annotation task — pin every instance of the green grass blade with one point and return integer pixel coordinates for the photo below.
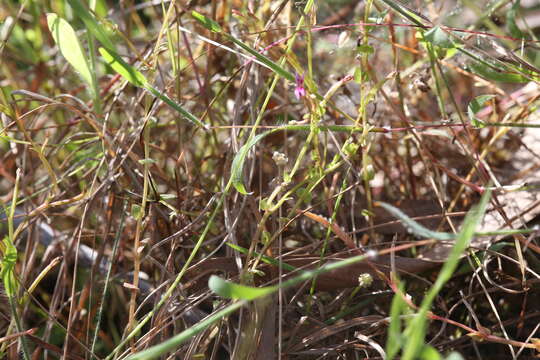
(127, 71)
(415, 227)
(416, 330)
(237, 166)
(92, 24)
(213, 26)
(186, 114)
(65, 37)
(174, 342)
(206, 22)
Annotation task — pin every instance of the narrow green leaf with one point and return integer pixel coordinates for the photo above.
(206, 22)
(92, 24)
(237, 167)
(416, 329)
(395, 340)
(185, 114)
(213, 26)
(501, 75)
(514, 30)
(65, 37)
(439, 37)
(127, 71)
(230, 290)
(173, 343)
(415, 227)
(475, 106)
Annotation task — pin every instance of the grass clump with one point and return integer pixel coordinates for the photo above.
(335, 179)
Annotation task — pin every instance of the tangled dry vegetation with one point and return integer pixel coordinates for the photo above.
(156, 149)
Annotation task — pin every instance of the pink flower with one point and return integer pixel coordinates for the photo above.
(299, 90)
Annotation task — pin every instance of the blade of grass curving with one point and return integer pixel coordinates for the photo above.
(416, 329)
(237, 166)
(214, 27)
(173, 343)
(65, 37)
(92, 24)
(413, 226)
(136, 78)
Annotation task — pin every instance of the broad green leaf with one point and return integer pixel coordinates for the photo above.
(414, 227)
(439, 37)
(69, 45)
(206, 22)
(475, 106)
(514, 30)
(8, 262)
(230, 290)
(92, 24)
(127, 71)
(430, 353)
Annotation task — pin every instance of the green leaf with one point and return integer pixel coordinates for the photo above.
(514, 30)
(475, 106)
(185, 114)
(65, 37)
(230, 290)
(206, 22)
(414, 227)
(237, 167)
(497, 74)
(92, 24)
(7, 265)
(213, 26)
(177, 340)
(439, 37)
(430, 353)
(395, 340)
(127, 71)
(135, 77)
(416, 330)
